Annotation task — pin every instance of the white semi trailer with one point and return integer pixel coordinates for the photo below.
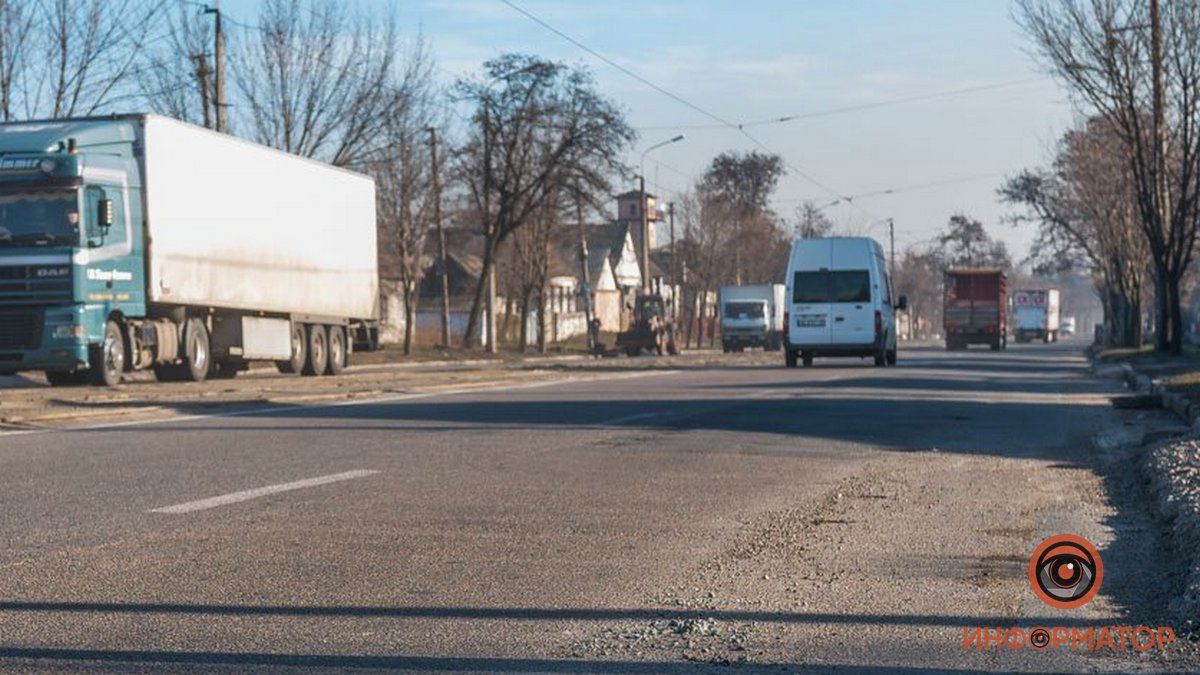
(140, 242)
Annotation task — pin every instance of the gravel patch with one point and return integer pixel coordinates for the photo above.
(1173, 469)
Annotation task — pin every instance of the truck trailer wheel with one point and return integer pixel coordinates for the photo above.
(295, 365)
(318, 351)
(337, 351)
(107, 360)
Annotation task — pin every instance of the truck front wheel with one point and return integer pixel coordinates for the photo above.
(318, 351)
(197, 355)
(337, 351)
(107, 360)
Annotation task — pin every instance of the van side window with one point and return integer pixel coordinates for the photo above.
(887, 289)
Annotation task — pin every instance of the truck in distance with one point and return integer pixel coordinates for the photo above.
(973, 308)
(1036, 315)
(139, 242)
(752, 316)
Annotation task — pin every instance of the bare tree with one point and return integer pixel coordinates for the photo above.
(317, 79)
(710, 231)
(64, 58)
(965, 243)
(405, 182)
(537, 126)
(1086, 210)
(919, 278)
(744, 183)
(17, 21)
(178, 78)
(1139, 68)
(531, 245)
(811, 222)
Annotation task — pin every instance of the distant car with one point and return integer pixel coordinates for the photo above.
(1067, 325)
(839, 301)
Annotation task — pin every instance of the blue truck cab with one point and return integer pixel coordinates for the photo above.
(71, 241)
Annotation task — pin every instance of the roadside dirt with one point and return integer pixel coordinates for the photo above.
(899, 559)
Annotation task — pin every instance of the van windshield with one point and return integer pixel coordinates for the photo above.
(827, 286)
(744, 310)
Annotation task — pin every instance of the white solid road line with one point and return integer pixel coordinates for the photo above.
(391, 398)
(244, 495)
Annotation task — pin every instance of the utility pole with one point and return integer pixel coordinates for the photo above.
(585, 291)
(441, 235)
(645, 259)
(200, 61)
(487, 215)
(674, 262)
(1161, 198)
(219, 57)
(892, 246)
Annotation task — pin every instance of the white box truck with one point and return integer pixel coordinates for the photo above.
(1036, 315)
(752, 316)
(140, 242)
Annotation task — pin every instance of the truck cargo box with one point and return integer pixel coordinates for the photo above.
(287, 235)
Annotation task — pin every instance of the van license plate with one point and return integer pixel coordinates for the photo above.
(810, 321)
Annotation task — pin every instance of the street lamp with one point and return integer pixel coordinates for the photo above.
(486, 100)
(645, 259)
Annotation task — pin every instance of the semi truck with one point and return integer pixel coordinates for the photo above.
(1036, 315)
(133, 242)
(973, 309)
(752, 316)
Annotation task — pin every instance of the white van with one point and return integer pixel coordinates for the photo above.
(840, 301)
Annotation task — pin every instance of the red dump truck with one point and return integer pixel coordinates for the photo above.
(973, 311)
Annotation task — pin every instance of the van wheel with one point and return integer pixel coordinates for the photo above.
(337, 351)
(295, 365)
(318, 351)
(891, 357)
(881, 358)
(107, 360)
(808, 359)
(789, 358)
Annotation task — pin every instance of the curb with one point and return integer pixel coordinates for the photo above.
(1185, 410)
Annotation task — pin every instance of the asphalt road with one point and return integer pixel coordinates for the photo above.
(612, 520)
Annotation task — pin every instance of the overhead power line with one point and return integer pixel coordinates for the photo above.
(681, 100)
(854, 108)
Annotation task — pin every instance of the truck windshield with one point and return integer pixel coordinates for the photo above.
(827, 286)
(38, 217)
(744, 310)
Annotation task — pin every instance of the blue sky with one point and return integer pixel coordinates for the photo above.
(769, 58)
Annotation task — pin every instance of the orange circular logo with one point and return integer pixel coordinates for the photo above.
(1065, 571)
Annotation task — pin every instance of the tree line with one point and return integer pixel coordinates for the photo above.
(1120, 198)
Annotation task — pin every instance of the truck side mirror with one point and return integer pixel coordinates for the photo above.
(902, 303)
(104, 214)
